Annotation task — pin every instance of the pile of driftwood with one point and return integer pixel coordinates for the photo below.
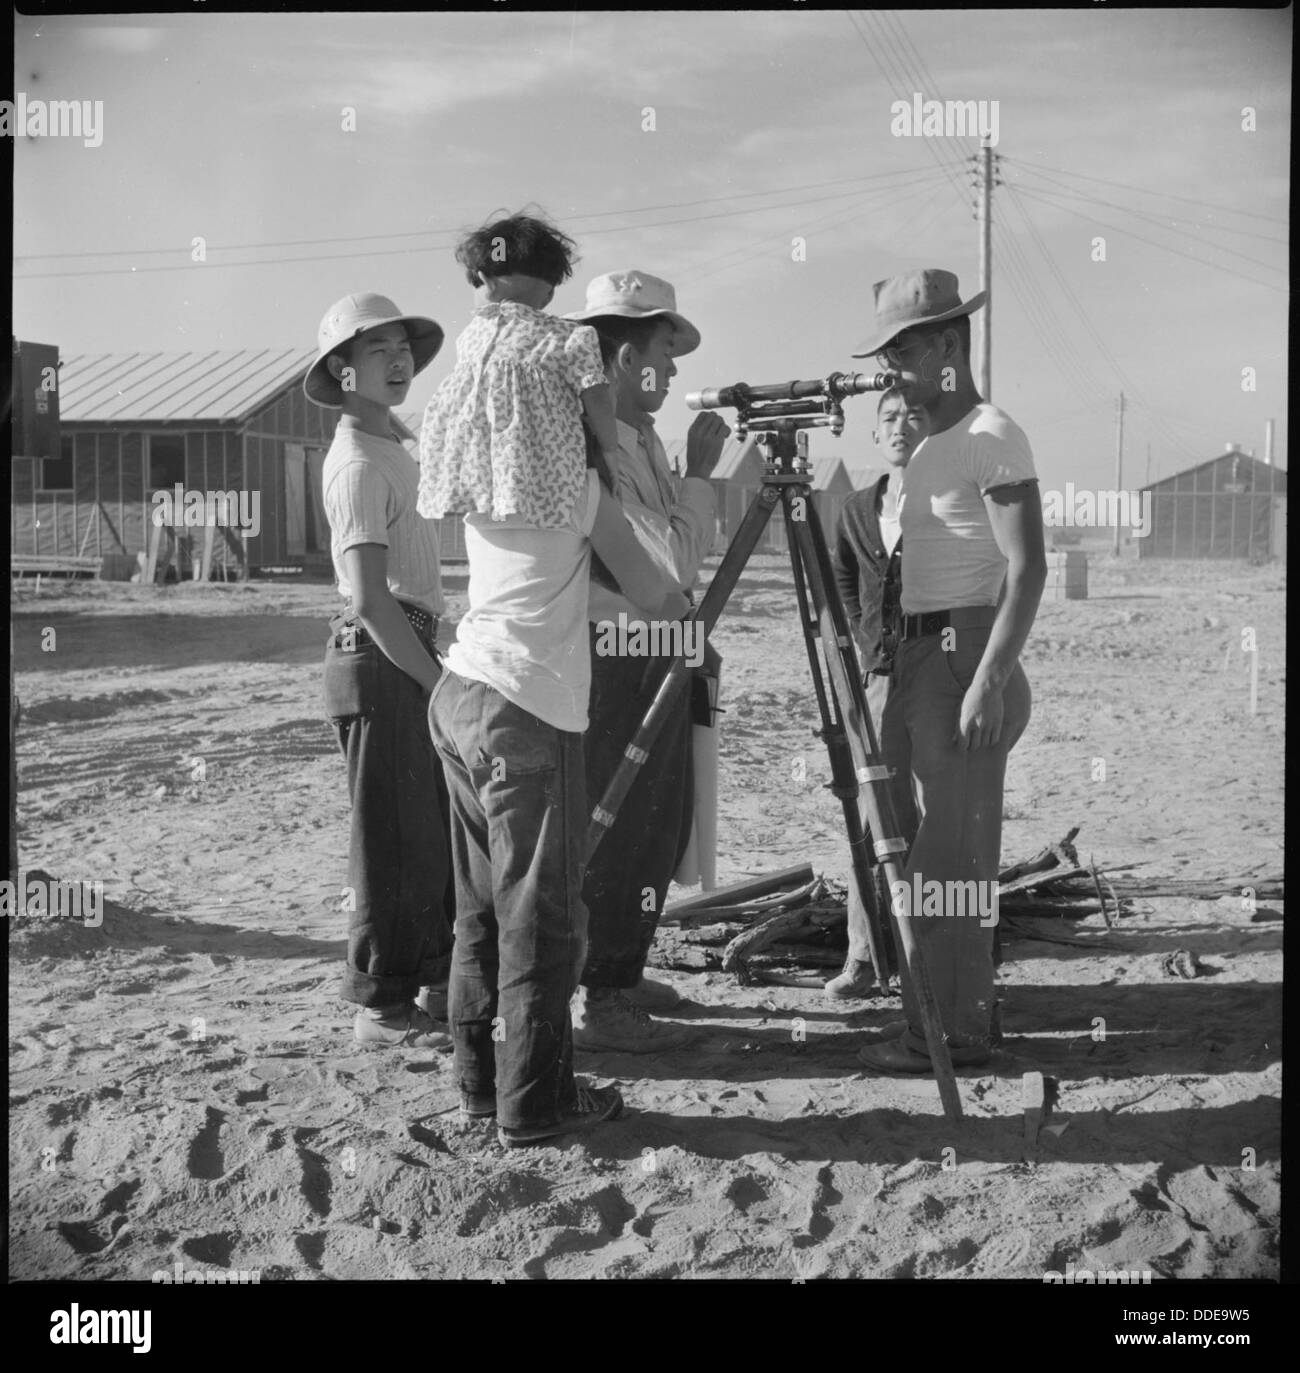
(789, 928)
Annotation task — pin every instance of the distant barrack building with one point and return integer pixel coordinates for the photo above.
(211, 420)
(1231, 506)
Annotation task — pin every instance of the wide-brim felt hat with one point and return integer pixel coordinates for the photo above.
(638, 295)
(353, 315)
(929, 296)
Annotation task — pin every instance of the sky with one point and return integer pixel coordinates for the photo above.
(747, 157)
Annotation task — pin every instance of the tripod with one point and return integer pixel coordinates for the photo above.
(780, 417)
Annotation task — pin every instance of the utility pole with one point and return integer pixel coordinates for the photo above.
(1119, 466)
(986, 271)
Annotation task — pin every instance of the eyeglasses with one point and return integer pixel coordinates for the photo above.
(892, 356)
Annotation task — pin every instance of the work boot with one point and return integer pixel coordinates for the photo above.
(857, 980)
(653, 995)
(595, 1104)
(604, 1019)
(406, 1027)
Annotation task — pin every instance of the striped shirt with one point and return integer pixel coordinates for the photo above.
(370, 487)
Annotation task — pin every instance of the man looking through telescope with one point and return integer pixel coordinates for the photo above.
(973, 570)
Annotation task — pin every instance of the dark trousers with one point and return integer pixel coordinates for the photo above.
(949, 808)
(628, 877)
(518, 821)
(399, 851)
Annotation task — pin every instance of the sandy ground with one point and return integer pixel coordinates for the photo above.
(184, 1087)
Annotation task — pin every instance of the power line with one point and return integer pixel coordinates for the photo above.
(1063, 190)
(1146, 190)
(923, 181)
(397, 252)
(1165, 247)
(891, 81)
(428, 233)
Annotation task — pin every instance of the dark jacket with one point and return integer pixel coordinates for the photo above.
(868, 578)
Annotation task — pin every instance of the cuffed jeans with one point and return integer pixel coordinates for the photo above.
(518, 821)
(877, 693)
(628, 878)
(949, 808)
(399, 863)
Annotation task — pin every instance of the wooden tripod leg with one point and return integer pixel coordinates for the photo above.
(844, 783)
(674, 681)
(847, 686)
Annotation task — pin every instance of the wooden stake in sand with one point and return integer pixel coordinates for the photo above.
(1032, 1090)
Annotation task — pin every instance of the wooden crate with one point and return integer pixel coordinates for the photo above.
(1067, 575)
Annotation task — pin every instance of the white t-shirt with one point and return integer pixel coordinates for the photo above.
(950, 557)
(369, 491)
(525, 632)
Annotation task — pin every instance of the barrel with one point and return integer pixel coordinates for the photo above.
(1067, 575)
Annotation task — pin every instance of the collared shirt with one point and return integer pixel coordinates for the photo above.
(672, 517)
(950, 557)
(369, 490)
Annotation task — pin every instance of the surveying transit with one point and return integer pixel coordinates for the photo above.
(779, 416)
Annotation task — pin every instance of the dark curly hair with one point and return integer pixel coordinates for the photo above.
(525, 243)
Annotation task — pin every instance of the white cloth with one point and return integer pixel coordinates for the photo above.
(525, 632)
(890, 530)
(369, 491)
(672, 517)
(950, 557)
(503, 434)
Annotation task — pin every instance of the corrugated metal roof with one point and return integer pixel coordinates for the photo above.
(220, 385)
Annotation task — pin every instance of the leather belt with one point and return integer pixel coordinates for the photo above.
(936, 621)
(422, 621)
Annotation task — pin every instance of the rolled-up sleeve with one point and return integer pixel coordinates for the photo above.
(582, 364)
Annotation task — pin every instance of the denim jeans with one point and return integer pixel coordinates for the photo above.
(643, 847)
(518, 820)
(949, 808)
(399, 847)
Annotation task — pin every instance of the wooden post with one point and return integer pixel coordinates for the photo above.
(203, 568)
(1119, 466)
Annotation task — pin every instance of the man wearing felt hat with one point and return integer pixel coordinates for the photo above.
(973, 570)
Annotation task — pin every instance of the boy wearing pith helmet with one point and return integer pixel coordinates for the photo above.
(381, 664)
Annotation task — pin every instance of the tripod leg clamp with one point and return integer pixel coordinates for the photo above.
(603, 817)
(637, 755)
(875, 772)
(884, 847)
